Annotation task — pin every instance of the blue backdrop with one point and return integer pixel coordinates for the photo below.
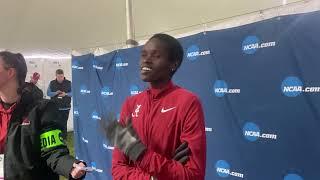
(259, 85)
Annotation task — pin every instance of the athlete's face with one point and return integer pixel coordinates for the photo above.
(155, 66)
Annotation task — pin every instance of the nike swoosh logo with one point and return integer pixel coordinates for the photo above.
(166, 110)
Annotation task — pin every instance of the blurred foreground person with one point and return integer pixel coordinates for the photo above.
(31, 145)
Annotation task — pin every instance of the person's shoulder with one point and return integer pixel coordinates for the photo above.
(67, 80)
(134, 98)
(46, 104)
(139, 95)
(185, 93)
(40, 107)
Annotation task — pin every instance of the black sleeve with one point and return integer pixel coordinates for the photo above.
(53, 148)
(69, 87)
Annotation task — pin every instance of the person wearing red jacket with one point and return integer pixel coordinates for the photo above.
(161, 134)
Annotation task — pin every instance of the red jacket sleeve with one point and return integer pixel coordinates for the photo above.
(193, 133)
(121, 166)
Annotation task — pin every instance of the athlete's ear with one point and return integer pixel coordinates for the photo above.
(174, 66)
(11, 72)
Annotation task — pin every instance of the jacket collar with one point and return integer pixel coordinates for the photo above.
(156, 93)
(7, 110)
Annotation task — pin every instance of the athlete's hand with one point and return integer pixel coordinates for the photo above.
(182, 153)
(124, 138)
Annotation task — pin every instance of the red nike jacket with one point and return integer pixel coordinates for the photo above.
(163, 119)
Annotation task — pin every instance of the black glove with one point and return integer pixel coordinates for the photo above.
(182, 153)
(125, 138)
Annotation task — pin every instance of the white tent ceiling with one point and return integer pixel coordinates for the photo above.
(58, 26)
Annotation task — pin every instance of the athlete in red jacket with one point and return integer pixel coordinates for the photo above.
(31, 147)
(157, 121)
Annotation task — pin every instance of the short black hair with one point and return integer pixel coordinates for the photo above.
(174, 48)
(59, 71)
(16, 61)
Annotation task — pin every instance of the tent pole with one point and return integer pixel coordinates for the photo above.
(130, 42)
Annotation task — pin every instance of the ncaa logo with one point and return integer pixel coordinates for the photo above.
(105, 92)
(76, 65)
(251, 131)
(292, 86)
(208, 129)
(84, 90)
(76, 112)
(95, 116)
(93, 164)
(120, 64)
(223, 168)
(96, 65)
(292, 177)
(134, 90)
(220, 88)
(94, 167)
(85, 140)
(250, 44)
(193, 52)
(106, 146)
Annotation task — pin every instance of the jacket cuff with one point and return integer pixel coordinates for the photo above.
(136, 151)
(65, 166)
(144, 160)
